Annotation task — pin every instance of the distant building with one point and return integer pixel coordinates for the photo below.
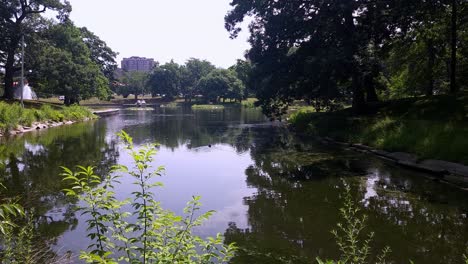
(137, 64)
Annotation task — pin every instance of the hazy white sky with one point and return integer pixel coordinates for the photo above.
(163, 29)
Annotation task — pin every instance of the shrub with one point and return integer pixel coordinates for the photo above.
(76, 113)
(354, 245)
(157, 236)
(51, 114)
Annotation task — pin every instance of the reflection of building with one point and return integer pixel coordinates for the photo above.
(137, 64)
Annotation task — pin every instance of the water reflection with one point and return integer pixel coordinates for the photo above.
(30, 168)
(297, 202)
(277, 194)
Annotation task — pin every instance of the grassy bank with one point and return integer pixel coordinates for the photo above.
(13, 115)
(207, 107)
(434, 127)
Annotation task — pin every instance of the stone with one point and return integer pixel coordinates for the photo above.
(402, 157)
(380, 152)
(450, 167)
(361, 146)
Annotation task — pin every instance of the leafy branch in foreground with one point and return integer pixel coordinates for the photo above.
(157, 235)
(349, 236)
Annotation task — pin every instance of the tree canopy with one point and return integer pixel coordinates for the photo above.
(14, 23)
(334, 50)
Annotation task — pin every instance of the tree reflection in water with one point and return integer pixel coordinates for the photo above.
(30, 168)
(297, 205)
(296, 185)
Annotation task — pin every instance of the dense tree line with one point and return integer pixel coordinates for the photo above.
(194, 78)
(330, 51)
(60, 57)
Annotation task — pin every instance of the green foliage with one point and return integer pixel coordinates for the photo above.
(430, 128)
(249, 103)
(132, 82)
(354, 244)
(221, 84)
(63, 64)
(77, 113)
(166, 80)
(158, 235)
(207, 107)
(46, 112)
(13, 115)
(351, 51)
(193, 71)
(301, 117)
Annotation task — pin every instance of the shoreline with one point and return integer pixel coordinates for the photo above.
(36, 126)
(452, 173)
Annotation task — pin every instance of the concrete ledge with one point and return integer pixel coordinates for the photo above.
(107, 112)
(450, 172)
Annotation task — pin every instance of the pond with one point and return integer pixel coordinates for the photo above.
(276, 194)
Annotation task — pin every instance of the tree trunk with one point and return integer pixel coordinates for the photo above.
(430, 67)
(453, 44)
(136, 96)
(369, 82)
(9, 74)
(70, 100)
(350, 49)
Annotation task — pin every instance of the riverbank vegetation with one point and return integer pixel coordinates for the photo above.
(13, 115)
(432, 128)
(207, 107)
(400, 79)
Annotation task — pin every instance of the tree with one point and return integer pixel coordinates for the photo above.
(221, 84)
(133, 82)
(101, 54)
(13, 24)
(193, 71)
(345, 42)
(62, 65)
(243, 69)
(166, 80)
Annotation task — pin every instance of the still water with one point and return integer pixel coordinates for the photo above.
(277, 195)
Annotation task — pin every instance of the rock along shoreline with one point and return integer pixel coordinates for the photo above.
(449, 172)
(36, 126)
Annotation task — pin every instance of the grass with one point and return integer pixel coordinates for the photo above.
(249, 103)
(13, 115)
(433, 127)
(207, 107)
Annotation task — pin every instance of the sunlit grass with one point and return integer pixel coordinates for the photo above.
(434, 128)
(207, 107)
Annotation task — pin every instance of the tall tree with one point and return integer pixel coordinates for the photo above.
(221, 84)
(133, 82)
(194, 70)
(101, 54)
(243, 69)
(63, 65)
(166, 80)
(13, 17)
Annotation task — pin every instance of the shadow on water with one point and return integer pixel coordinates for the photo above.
(277, 194)
(297, 204)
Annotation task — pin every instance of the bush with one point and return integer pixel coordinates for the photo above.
(77, 113)
(51, 114)
(13, 115)
(157, 236)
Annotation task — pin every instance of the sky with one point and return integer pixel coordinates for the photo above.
(163, 29)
